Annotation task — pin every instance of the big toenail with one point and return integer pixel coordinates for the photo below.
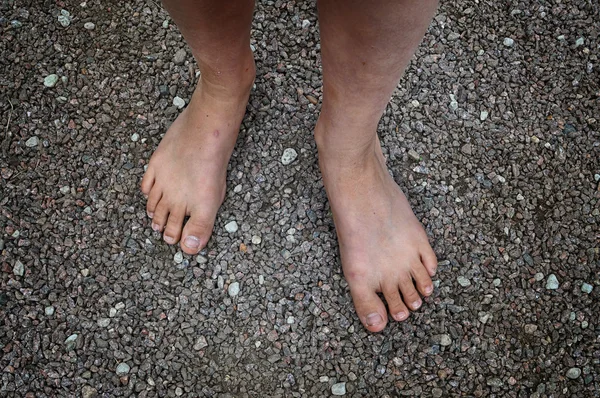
(374, 319)
(417, 304)
(156, 227)
(169, 239)
(192, 242)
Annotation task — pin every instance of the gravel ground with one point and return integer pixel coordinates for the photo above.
(493, 133)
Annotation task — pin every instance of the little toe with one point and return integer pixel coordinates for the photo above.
(422, 279)
(160, 216)
(409, 294)
(397, 308)
(147, 182)
(429, 260)
(370, 308)
(195, 234)
(153, 200)
(174, 226)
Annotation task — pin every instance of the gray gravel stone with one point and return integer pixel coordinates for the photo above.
(70, 342)
(49, 310)
(64, 18)
(122, 369)
(18, 268)
(445, 340)
(538, 276)
(508, 42)
(414, 155)
(178, 257)
(483, 115)
(552, 282)
(88, 392)
(89, 25)
(339, 388)
(464, 282)
(573, 373)
(256, 240)
(289, 155)
(180, 56)
(200, 343)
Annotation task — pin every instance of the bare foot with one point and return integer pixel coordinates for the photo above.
(186, 174)
(383, 246)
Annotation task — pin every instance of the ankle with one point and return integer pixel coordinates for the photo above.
(230, 82)
(344, 146)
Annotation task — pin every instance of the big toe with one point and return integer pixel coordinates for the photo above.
(369, 307)
(195, 234)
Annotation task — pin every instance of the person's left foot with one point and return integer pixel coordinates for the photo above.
(383, 246)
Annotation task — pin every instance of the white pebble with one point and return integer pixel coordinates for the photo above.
(231, 227)
(122, 369)
(256, 240)
(32, 142)
(508, 42)
(552, 282)
(178, 257)
(89, 25)
(49, 311)
(445, 340)
(483, 115)
(579, 42)
(338, 389)
(233, 289)
(178, 102)
(51, 80)
(135, 137)
(19, 268)
(305, 24)
(289, 155)
(464, 282)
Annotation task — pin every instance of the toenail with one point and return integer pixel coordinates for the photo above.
(150, 214)
(401, 315)
(429, 289)
(374, 319)
(192, 242)
(156, 227)
(416, 304)
(169, 239)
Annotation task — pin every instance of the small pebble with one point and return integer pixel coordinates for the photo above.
(414, 155)
(305, 24)
(165, 24)
(573, 373)
(233, 289)
(552, 282)
(445, 340)
(200, 343)
(464, 282)
(538, 277)
(51, 80)
(70, 342)
(231, 227)
(256, 240)
(200, 259)
(32, 142)
(135, 137)
(19, 268)
(179, 57)
(261, 279)
(16, 24)
(587, 288)
(508, 42)
(122, 369)
(579, 42)
(178, 102)
(89, 25)
(497, 282)
(289, 155)
(64, 18)
(103, 322)
(483, 115)
(178, 257)
(338, 389)
(49, 310)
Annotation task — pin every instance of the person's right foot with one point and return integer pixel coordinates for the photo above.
(186, 174)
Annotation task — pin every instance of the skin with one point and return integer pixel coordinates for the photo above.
(366, 45)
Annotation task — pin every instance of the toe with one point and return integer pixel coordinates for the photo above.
(422, 279)
(409, 293)
(370, 308)
(174, 226)
(195, 234)
(159, 219)
(147, 181)
(429, 260)
(153, 199)
(395, 304)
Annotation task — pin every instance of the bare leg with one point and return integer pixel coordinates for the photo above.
(366, 46)
(186, 174)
